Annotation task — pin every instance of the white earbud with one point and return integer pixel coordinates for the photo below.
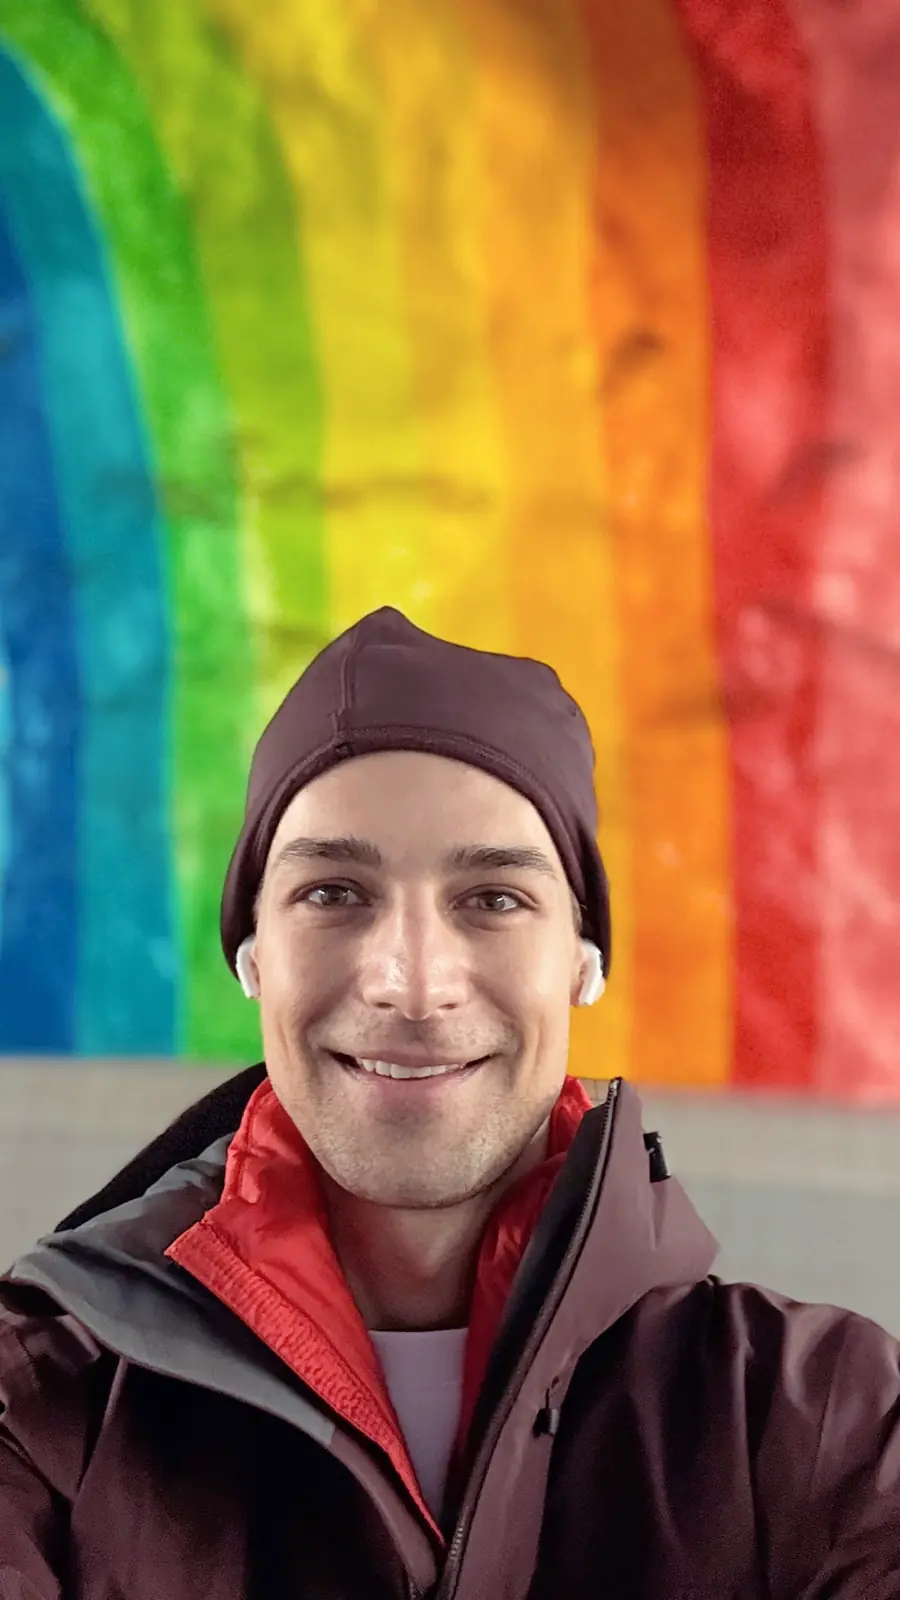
(245, 967)
(593, 982)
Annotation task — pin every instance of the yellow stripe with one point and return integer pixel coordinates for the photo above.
(308, 57)
(538, 132)
(432, 158)
(652, 321)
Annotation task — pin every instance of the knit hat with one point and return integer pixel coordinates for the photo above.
(387, 685)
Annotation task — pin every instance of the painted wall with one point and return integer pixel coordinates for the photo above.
(571, 329)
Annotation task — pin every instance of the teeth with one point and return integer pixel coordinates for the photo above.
(391, 1069)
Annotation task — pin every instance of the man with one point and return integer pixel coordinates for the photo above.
(399, 1315)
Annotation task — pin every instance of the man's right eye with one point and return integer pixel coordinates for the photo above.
(330, 896)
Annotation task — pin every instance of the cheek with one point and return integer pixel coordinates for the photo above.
(533, 977)
(298, 972)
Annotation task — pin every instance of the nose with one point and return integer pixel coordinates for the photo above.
(414, 964)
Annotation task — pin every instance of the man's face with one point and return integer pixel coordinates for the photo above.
(414, 911)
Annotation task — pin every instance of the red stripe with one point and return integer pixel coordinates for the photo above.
(855, 54)
(767, 265)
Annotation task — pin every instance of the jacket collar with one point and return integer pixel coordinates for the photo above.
(264, 1251)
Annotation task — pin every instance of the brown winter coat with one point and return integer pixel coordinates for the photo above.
(641, 1432)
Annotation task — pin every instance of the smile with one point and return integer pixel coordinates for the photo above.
(396, 1069)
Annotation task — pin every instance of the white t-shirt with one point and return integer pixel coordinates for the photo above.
(423, 1373)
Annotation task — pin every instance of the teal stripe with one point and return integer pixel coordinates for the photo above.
(39, 758)
(105, 487)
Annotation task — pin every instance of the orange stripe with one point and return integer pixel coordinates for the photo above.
(650, 310)
(537, 128)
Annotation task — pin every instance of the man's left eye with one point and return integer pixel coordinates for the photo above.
(498, 900)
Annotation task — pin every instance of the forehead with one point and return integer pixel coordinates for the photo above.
(409, 803)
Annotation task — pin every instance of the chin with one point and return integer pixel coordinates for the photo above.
(414, 1192)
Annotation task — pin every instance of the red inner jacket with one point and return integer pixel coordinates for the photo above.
(264, 1251)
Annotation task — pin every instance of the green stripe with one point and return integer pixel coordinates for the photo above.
(227, 162)
(167, 324)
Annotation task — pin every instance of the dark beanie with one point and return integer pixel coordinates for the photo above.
(386, 685)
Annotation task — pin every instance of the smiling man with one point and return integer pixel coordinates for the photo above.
(398, 1314)
(415, 1007)
(415, 985)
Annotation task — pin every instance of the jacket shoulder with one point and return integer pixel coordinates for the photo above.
(775, 1321)
(54, 1379)
(730, 1428)
(822, 1390)
(817, 1350)
(805, 1370)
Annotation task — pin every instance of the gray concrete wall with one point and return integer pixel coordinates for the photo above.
(804, 1199)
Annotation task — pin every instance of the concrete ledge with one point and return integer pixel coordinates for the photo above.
(804, 1198)
(104, 1098)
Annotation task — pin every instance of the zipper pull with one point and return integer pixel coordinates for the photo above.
(547, 1419)
(659, 1166)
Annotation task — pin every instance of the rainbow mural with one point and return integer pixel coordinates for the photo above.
(572, 329)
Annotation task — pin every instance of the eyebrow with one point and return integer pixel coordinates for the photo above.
(348, 850)
(356, 852)
(497, 857)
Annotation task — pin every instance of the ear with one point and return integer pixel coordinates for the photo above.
(246, 968)
(593, 982)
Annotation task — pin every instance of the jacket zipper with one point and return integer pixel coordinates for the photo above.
(447, 1585)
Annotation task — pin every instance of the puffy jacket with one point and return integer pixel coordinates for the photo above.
(192, 1409)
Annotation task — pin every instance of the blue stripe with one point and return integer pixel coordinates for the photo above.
(125, 986)
(6, 711)
(38, 702)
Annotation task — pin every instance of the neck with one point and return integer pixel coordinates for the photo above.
(414, 1269)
